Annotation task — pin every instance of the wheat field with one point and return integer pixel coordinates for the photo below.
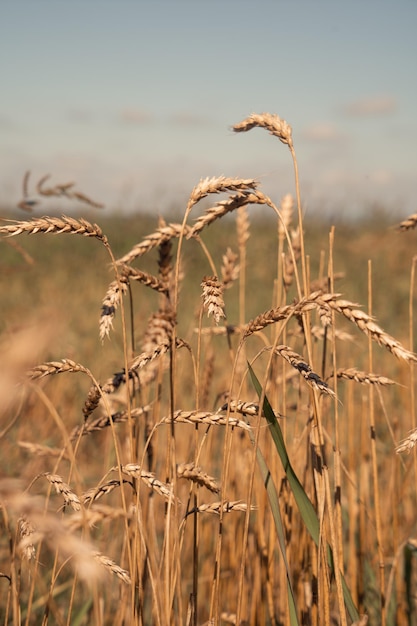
(209, 419)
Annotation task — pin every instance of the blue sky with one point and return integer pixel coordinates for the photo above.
(134, 99)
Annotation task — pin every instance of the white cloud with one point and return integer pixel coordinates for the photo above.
(80, 116)
(135, 116)
(373, 105)
(381, 177)
(187, 119)
(323, 132)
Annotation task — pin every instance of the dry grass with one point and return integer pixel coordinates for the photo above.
(150, 486)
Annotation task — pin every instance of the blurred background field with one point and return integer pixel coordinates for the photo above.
(67, 277)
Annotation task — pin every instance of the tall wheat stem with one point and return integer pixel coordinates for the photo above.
(300, 218)
(375, 480)
(412, 377)
(337, 469)
(317, 413)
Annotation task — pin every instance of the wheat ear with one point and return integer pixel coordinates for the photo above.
(271, 122)
(55, 225)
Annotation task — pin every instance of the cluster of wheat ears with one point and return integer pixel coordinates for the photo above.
(230, 472)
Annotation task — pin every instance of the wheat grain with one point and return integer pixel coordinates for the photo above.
(314, 300)
(289, 259)
(27, 532)
(147, 357)
(298, 363)
(219, 184)
(65, 189)
(242, 226)
(271, 122)
(118, 288)
(55, 225)
(318, 332)
(106, 421)
(153, 240)
(196, 475)
(322, 284)
(159, 330)
(408, 223)
(110, 386)
(95, 493)
(231, 618)
(204, 417)
(94, 515)
(407, 444)
(286, 211)
(51, 368)
(144, 278)
(226, 507)
(112, 567)
(111, 301)
(40, 450)
(229, 329)
(244, 408)
(365, 378)
(92, 401)
(229, 269)
(134, 470)
(213, 297)
(70, 498)
(367, 325)
(165, 259)
(223, 207)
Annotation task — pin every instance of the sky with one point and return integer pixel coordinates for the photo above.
(133, 100)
